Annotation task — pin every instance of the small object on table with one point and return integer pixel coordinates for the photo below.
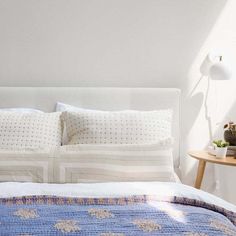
(221, 148)
(203, 157)
(230, 133)
(230, 152)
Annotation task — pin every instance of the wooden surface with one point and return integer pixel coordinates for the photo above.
(203, 155)
(200, 173)
(203, 158)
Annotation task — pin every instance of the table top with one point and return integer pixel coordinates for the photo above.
(205, 156)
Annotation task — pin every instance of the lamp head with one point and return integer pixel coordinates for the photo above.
(220, 71)
(215, 67)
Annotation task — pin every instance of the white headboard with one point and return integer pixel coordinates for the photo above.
(45, 98)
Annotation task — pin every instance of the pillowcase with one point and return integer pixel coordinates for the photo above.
(66, 107)
(121, 127)
(29, 130)
(60, 107)
(115, 163)
(26, 166)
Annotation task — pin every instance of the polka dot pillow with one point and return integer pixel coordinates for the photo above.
(29, 130)
(124, 127)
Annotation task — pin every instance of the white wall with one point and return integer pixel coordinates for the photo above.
(129, 43)
(102, 42)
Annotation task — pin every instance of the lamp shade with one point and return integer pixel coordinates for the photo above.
(220, 71)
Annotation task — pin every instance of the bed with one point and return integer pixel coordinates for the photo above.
(109, 208)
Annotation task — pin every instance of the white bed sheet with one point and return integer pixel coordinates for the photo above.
(10, 189)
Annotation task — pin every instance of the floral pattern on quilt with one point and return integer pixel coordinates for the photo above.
(26, 213)
(147, 225)
(126, 216)
(100, 213)
(67, 226)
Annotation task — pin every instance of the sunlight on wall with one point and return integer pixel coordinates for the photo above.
(206, 116)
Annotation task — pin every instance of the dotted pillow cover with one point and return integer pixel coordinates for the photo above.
(124, 127)
(30, 130)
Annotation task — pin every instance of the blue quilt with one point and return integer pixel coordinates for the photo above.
(136, 215)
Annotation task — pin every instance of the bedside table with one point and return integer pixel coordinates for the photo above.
(203, 157)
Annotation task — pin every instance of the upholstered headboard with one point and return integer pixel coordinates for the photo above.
(45, 98)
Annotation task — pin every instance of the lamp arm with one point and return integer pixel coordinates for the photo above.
(207, 116)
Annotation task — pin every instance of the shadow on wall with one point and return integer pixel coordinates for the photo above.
(192, 105)
(196, 119)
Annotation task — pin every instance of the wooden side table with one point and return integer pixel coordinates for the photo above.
(203, 157)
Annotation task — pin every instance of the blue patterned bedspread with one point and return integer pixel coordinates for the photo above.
(136, 215)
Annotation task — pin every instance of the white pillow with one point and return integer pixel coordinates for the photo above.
(25, 110)
(26, 165)
(29, 130)
(115, 163)
(60, 107)
(66, 107)
(121, 127)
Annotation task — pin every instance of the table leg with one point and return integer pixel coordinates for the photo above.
(200, 173)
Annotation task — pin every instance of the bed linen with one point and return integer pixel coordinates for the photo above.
(89, 164)
(35, 130)
(27, 165)
(115, 163)
(113, 209)
(117, 127)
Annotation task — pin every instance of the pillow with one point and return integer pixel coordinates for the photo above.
(25, 110)
(121, 127)
(29, 130)
(26, 166)
(66, 107)
(110, 163)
